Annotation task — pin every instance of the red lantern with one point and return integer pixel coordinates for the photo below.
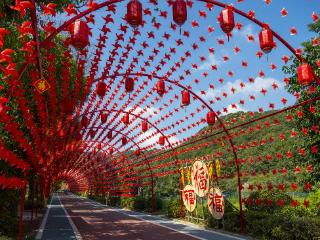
(138, 152)
(266, 40)
(161, 87)
(99, 146)
(92, 133)
(179, 10)
(134, 13)
(305, 74)
(126, 118)
(144, 126)
(185, 98)
(103, 117)
(101, 89)
(109, 134)
(161, 140)
(210, 118)
(79, 31)
(129, 84)
(84, 121)
(110, 150)
(227, 20)
(124, 140)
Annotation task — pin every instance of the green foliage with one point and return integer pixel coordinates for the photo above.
(173, 208)
(311, 54)
(267, 195)
(287, 224)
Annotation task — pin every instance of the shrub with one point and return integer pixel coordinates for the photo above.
(262, 197)
(139, 203)
(157, 205)
(286, 224)
(173, 209)
(126, 202)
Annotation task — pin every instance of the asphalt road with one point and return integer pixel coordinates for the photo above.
(72, 217)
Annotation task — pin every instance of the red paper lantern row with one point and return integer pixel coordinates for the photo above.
(110, 151)
(144, 126)
(129, 85)
(227, 20)
(266, 40)
(11, 182)
(109, 134)
(162, 140)
(185, 98)
(179, 11)
(124, 140)
(210, 118)
(126, 118)
(305, 74)
(101, 89)
(161, 87)
(137, 152)
(79, 31)
(103, 117)
(84, 122)
(134, 13)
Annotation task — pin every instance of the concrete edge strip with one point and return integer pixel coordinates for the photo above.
(44, 221)
(74, 228)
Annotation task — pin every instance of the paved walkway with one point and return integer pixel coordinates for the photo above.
(91, 220)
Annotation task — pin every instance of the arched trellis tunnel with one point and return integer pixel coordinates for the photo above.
(73, 96)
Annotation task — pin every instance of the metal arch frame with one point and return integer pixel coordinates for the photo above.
(137, 145)
(154, 126)
(217, 3)
(209, 107)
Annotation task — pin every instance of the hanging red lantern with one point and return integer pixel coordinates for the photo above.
(161, 87)
(266, 40)
(138, 152)
(79, 31)
(161, 140)
(84, 122)
(134, 13)
(92, 133)
(179, 10)
(210, 118)
(103, 117)
(124, 140)
(129, 84)
(227, 20)
(109, 134)
(185, 98)
(305, 74)
(126, 118)
(144, 126)
(99, 146)
(101, 89)
(110, 150)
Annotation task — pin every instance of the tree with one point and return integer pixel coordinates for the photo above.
(311, 112)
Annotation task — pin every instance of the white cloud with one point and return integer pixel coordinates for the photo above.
(249, 88)
(153, 139)
(212, 60)
(233, 108)
(245, 31)
(146, 112)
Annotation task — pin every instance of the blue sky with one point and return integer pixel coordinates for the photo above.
(299, 15)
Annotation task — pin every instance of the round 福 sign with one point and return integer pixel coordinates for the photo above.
(200, 178)
(216, 203)
(189, 198)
